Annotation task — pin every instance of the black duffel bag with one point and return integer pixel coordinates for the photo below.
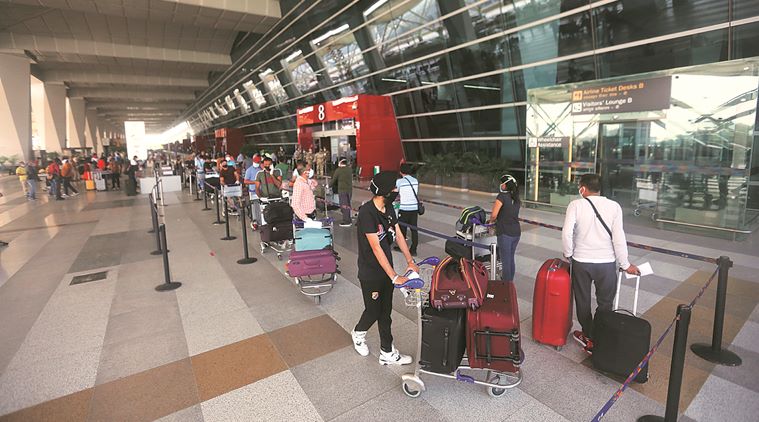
(457, 250)
(278, 212)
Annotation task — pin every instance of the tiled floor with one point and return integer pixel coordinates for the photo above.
(239, 342)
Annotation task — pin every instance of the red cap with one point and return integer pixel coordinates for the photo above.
(257, 159)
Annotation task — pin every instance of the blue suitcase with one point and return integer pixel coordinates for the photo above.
(311, 239)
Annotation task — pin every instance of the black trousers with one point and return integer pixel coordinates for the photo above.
(67, 185)
(116, 180)
(604, 276)
(378, 305)
(411, 218)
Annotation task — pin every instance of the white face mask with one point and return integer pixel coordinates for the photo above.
(256, 165)
(311, 173)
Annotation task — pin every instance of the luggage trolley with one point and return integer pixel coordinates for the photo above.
(281, 233)
(313, 263)
(416, 293)
(648, 198)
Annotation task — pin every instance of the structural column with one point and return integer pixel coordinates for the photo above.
(75, 126)
(54, 116)
(91, 131)
(15, 107)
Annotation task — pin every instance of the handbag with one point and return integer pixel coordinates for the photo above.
(419, 204)
(603, 223)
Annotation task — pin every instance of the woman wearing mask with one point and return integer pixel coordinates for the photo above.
(377, 230)
(505, 215)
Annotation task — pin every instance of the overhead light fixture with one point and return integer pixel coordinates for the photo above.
(427, 83)
(486, 88)
(374, 7)
(330, 33)
(293, 56)
(394, 80)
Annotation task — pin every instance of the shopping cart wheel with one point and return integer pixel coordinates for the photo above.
(410, 391)
(263, 248)
(279, 257)
(558, 348)
(496, 392)
(636, 212)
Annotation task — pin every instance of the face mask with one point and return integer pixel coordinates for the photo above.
(256, 165)
(311, 173)
(390, 197)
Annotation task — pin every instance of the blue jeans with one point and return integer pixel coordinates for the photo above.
(507, 248)
(32, 194)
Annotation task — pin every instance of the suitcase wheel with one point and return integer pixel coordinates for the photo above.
(496, 392)
(411, 391)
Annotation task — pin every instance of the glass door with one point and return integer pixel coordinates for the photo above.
(616, 154)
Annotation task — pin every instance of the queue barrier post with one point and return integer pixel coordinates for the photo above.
(152, 215)
(246, 254)
(226, 221)
(218, 212)
(205, 197)
(154, 212)
(714, 352)
(167, 283)
(194, 181)
(676, 368)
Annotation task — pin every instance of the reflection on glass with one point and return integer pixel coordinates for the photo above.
(241, 101)
(303, 75)
(254, 93)
(339, 51)
(395, 33)
(272, 83)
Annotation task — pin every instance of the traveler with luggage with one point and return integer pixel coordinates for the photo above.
(67, 172)
(410, 210)
(250, 180)
(505, 215)
(594, 242)
(342, 184)
(54, 176)
(228, 176)
(268, 180)
(377, 229)
(303, 201)
(115, 168)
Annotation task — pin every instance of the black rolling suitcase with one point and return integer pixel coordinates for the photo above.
(277, 232)
(443, 339)
(621, 339)
(130, 188)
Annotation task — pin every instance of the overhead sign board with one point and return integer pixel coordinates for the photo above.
(623, 97)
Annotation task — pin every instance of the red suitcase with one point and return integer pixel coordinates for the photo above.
(458, 284)
(310, 263)
(552, 304)
(493, 330)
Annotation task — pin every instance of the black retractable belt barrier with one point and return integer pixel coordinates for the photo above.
(167, 283)
(676, 368)
(226, 223)
(246, 255)
(194, 180)
(714, 352)
(152, 215)
(205, 197)
(218, 216)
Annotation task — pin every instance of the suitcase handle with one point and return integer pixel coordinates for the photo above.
(446, 335)
(516, 355)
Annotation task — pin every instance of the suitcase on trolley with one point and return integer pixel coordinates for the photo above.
(621, 339)
(308, 263)
(276, 232)
(493, 340)
(458, 284)
(552, 303)
(443, 339)
(312, 239)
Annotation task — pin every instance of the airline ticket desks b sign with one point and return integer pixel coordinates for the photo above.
(364, 123)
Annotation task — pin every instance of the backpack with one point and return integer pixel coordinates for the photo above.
(471, 215)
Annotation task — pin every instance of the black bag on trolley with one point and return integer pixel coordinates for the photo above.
(443, 339)
(277, 232)
(278, 212)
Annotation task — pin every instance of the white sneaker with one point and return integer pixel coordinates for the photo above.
(394, 358)
(359, 342)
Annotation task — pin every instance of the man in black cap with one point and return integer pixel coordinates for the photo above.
(377, 229)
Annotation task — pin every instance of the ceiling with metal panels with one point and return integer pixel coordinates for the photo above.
(131, 59)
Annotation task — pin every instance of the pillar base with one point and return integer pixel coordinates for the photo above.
(721, 357)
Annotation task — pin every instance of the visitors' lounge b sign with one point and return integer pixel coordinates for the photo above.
(623, 97)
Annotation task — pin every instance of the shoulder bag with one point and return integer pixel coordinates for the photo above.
(419, 204)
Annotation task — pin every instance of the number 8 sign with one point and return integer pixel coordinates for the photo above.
(322, 115)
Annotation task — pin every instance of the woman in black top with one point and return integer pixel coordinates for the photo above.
(377, 229)
(506, 217)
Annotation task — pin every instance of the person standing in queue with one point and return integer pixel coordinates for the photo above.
(505, 215)
(303, 200)
(377, 230)
(408, 187)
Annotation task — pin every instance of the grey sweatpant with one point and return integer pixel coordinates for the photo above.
(583, 276)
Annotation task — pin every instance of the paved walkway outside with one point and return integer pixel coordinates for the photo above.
(240, 342)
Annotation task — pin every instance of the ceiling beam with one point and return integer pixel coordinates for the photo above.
(122, 79)
(44, 44)
(109, 93)
(133, 105)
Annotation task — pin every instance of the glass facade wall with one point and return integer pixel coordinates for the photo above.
(675, 145)
(459, 70)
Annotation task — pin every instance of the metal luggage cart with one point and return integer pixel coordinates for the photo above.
(648, 198)
(315, 285)
(282, 246)
(416, 294)
(483, 234)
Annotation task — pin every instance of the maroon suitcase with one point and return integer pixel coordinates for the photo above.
(458, 284)
(552, 304)
(492, 340)
(310, 263)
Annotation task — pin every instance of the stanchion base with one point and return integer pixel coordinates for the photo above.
(151, 231)
(165, 287)
(205, 209)
(243, 261)
(650, 418)
(156, 253)
(721, 357)
(197, 199)
(216, 223)
(229, 238)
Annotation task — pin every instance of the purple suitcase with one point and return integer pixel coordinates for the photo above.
(310, 263)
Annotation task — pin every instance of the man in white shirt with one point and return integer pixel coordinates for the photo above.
(595, 244)
(408, 189)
